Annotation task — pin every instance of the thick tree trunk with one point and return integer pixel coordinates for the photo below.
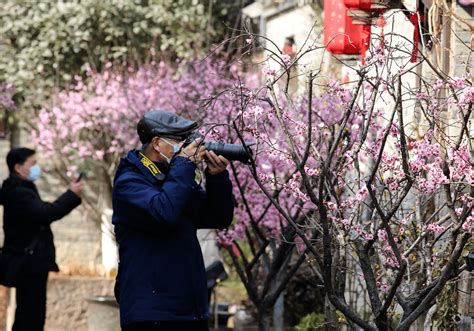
(331, 316)
(383, 323)
(265, 318)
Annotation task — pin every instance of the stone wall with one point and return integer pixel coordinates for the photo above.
(68, 301)
(4, 300)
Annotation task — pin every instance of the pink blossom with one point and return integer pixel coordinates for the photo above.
(362, 194)
(268, 72)
(435, 228)
(286, 59)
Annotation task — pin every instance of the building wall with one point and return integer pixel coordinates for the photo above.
(298, 23)
(463, 43)
(463, 40)
(305, 24)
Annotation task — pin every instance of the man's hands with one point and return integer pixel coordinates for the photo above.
(77, 187)
(194, 151)
(215, 163)
(197, 152)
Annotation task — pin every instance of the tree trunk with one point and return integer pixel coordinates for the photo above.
(265, 318)
(278, 313)
(331, 316)
(15, 135)
(383, 323)
(428, 324)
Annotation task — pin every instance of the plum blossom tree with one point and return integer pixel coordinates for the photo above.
(380, 175)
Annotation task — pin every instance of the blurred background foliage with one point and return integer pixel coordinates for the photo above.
(44, 44)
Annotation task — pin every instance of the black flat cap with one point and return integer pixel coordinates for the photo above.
(164, 124)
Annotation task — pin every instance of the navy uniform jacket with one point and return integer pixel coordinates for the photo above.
(161, 275)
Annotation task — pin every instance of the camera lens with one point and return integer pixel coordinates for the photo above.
(232, 152)
(229, 151)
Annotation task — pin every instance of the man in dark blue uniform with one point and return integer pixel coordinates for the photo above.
(158, 206)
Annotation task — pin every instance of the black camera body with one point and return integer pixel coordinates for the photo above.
(231, 152)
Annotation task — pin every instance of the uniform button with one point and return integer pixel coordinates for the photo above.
(154, 291)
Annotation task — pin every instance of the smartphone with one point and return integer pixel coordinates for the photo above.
(81, 174)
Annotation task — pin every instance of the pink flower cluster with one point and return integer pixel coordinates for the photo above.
(468, 225)
(461, 167)
(6, 93)
(435, 228)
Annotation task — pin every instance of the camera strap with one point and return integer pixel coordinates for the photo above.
(151, 166)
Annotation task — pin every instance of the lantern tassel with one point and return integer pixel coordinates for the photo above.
(415, 18)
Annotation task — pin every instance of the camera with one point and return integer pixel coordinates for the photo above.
(232, 152)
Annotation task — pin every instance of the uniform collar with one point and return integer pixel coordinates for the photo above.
(134, 158)
(153, 167)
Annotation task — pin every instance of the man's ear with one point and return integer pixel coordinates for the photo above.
(17, 168)
(155, 143)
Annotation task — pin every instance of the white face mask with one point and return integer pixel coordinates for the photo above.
(176, 149)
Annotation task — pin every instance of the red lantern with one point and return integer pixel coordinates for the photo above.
(341, 36)
(415, 18)
(370, 5)
(359, 4)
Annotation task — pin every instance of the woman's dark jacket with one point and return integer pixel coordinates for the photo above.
(26, 216)
(161, 274)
